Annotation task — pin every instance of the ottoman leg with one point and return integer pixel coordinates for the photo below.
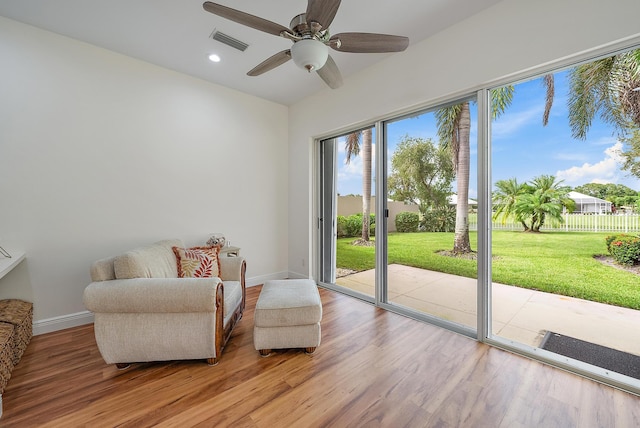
(264, 352)
(122, 366)
(310, 350)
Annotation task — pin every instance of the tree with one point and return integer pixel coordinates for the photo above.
(607, 191)
(543, 200)
(608, 87)
(454, 127)
(505, 198)
(352, 148)
(536, 208)
(421, 173)
(631, 157)
(597, 190)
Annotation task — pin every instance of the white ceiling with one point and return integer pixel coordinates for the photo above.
(176, 34)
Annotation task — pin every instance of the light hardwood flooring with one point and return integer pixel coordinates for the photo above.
(372, 369)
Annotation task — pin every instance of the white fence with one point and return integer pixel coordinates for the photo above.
(577, 223)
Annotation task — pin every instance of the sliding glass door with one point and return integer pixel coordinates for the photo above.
(347, 222)
(562, 206)
(413, 250)
(431, 248)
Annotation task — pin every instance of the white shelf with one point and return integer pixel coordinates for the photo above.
(7, 264)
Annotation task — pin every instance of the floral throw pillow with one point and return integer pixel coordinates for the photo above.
(197, 262)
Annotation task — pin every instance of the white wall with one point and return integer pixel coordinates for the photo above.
(100, 153)
(512, 36)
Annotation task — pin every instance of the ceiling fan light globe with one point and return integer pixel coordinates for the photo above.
(309, 54)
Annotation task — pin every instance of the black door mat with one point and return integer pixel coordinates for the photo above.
(597, 355)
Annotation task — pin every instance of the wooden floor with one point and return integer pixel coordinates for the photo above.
(373, 368)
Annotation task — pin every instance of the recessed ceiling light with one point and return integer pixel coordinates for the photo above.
(214, 58)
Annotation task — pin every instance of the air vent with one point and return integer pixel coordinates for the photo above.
(228, 40)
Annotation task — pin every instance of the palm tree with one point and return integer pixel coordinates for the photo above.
(352, 148)
(608, 87)
(543, 201)
(505, 199)
(454, 126)
(538, 208)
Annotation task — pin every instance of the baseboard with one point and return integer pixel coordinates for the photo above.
(257, 280)
(60, 323)
(296, 275)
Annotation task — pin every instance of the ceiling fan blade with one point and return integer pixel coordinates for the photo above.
(322, 11)
(270, 63)
(330, 74)
(244, 18)
(368, 43)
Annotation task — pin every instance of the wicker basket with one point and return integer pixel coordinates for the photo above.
(6, 354)
(20, 314)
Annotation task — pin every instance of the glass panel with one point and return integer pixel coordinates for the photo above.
(354, 199)
(558, 192)
(431, 248)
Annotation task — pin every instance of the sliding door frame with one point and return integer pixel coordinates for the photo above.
(483, 331)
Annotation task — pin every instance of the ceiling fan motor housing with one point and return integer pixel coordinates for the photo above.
(302, 28)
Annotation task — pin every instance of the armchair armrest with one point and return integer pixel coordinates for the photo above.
(153, 295)
(232, 269)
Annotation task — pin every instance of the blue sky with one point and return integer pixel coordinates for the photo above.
(521, 146)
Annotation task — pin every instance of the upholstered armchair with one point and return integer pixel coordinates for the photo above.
(143, 311)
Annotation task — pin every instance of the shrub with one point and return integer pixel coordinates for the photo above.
(625, 249)
(351, 226)
(407, 222)
(354, 225)
(609, 239)
(341, 227)
(442, 219)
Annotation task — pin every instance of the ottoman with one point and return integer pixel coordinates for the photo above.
(287, 315)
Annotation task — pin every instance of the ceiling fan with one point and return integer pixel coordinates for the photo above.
(309, 33)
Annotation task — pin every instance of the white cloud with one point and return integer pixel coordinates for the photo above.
(351, 169)
(350, 175)
(512, 123)
(605, 171)
(605, 141)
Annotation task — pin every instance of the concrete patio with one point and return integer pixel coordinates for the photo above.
(518, 314)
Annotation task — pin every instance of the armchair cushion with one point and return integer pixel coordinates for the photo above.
(153, 261)
(102, 270)
(197, 262)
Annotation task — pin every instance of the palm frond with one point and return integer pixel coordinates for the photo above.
(605, 87)
(352, 146)
(448, 119)
(501, 99)
(550, 94)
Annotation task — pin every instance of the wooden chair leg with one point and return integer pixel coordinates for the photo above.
(264, 352)
(212, 361)
(310, 350)
(122, 366)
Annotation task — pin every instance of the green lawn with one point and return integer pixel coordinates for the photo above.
(555, 262)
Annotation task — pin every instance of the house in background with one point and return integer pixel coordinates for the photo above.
(586, 204)
(453, 200)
